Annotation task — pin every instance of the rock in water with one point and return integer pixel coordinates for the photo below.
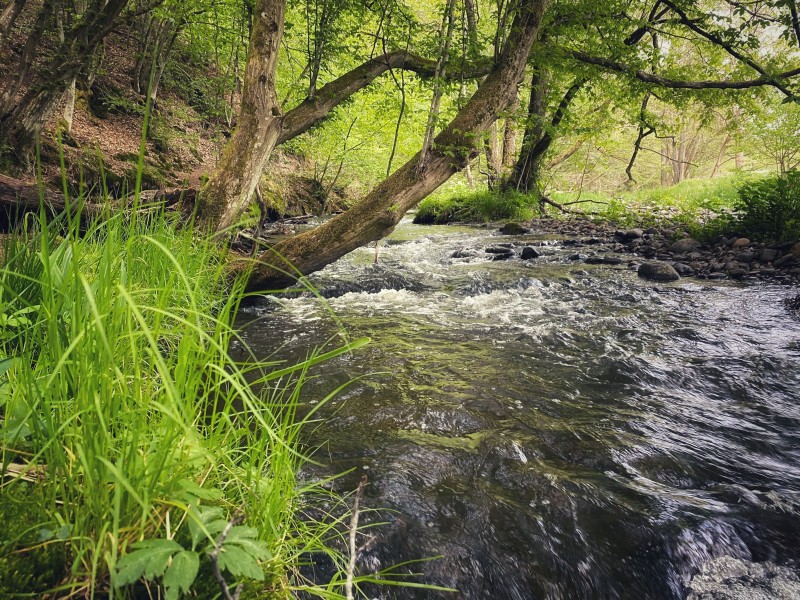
(685, 245)
(658, 271)
(529, 253)
(728, 578)
(513, 229)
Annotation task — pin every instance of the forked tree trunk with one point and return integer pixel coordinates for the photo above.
(381, 210)
(234, 181)
(215, 213)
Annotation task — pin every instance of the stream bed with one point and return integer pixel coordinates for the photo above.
(550, 429)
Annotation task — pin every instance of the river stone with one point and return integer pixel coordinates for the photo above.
(529, 253)
(741, 243)
(795, 250)
(768, 255)
(785, 261)
(462, 254)
(505, 256)
(513, 229)
(499, 249)
(728, 578)
(746, 257)
(633, 234)
(658, 271)
(683, 269)
(737, 273)
(685, 245)
(603, 260)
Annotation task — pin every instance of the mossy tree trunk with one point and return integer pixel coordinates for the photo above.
(377, 214)
(234, 181)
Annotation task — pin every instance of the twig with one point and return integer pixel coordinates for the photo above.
(214, 556)
(351, 567)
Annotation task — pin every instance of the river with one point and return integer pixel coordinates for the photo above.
(551, 429)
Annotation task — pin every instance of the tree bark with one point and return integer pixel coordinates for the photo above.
(226, 186)
(233, 183)
(380, 211)
(538, 138)
(8, 18)
(20, 127)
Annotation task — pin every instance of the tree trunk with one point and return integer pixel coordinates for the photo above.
(233, 183)
(494, 157)
(29, 52)
(380, 211)
(8, 18)
(21, 127)
(525, 175)
(214, 198)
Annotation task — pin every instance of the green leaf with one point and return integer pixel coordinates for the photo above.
(239, 563)
(149, 559)
(193, 491)
(182, 572)
(205, 522)
(246, 538)
(6, 364)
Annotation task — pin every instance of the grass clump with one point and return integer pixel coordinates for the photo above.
(134, 436)
(476, 207)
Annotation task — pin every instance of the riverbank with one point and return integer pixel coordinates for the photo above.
(602, 243)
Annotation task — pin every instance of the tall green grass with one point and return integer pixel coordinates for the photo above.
(130, 437)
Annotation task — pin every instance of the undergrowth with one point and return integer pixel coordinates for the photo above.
(476, 207)
(130, 438)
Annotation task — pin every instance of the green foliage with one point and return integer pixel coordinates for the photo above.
(769, 209)
(476, 207)
(119, 398)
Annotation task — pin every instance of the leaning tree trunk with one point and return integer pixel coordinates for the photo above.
(234, 181)
(378, 214)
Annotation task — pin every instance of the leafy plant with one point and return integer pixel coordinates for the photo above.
(769, 209)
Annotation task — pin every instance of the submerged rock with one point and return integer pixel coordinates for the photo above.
(658, 271)
(728, 578)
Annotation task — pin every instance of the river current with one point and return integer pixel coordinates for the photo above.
(549, 429)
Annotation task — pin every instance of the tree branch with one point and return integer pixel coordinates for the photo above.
(313, 110)
(645, 76)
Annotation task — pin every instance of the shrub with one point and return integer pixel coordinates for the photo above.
(476, 207)
(769, 209)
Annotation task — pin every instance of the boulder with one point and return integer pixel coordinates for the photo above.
(513, 229)
(786, 260)
(505, 256)
(737, 273)
(658, 271)
(633, 234)
(682, 269)
(768, 255)
(603, 260)
(499, 249)
(462, 254)
(741, 243)
(685, 245)
(529, 253)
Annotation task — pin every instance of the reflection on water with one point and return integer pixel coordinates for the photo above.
(553, 430)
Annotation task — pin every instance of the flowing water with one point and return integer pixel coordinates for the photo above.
(551, 429)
